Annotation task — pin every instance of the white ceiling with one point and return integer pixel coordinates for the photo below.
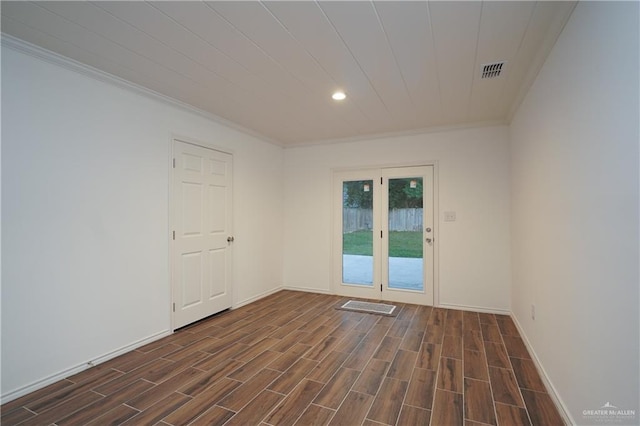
(271, 67)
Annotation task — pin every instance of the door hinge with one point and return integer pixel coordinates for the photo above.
(174, 163)
(174, 307)
(380, 287)
(174, 235)
(380, 180)
(380, 233)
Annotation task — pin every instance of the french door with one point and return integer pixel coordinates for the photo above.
(383, 234)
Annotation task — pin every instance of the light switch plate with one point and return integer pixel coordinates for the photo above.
(449, 216)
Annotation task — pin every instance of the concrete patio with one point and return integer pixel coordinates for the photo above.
(404, 273)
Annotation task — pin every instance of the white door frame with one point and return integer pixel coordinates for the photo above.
(336, 286)
(186, 139)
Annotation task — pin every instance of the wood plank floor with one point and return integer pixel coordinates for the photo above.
(292, 359)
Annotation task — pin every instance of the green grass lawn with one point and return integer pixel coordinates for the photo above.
(401, 244)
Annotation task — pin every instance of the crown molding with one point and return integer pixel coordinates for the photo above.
(54, 58)
(402, 133)
(30, 49)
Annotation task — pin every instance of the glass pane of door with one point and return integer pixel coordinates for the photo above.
(406, 266)
(357, 232)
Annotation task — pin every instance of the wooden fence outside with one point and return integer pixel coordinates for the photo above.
(399, 220)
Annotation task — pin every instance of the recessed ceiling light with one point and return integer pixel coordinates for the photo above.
(338, 96)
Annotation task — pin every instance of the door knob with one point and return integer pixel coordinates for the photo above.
(230, 239)
(429, 240)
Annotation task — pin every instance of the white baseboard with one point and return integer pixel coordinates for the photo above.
(551, 390)
(39, 384)
(475, 309)
(442, 305)
(256, 297)
(307, 289)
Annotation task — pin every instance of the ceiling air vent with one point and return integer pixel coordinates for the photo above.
(492, 70)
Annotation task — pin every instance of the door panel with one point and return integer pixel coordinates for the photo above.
(191, 202)
(201, 204)
(217, 262)
(191, 279)
(354, 232)
(218, 218)
(383, 220)
(407, 213)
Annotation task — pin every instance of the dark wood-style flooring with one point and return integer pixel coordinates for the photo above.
(291, 358)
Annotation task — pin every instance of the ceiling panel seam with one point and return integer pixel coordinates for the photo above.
(90, 53)
(475, 62)
(315, 60)
(393, 54)
(281, 66)
(533, 73)
(135, 28)
(435, 56)
(203, 83)
(354, 57)
(518, 51)
(227, 56)
(123, 47)
(199, 37)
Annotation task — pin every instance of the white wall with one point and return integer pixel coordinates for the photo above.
(85, 170)
(473, 182)
(574, 166)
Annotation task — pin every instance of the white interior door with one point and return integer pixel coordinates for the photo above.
(384, 234)
(202, 237)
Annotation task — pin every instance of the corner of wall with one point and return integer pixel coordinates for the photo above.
(553, 392)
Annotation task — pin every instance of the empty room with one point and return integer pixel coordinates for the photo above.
(320, 213)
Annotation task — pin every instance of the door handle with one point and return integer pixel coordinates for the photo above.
(230, 239)
(429, 240)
